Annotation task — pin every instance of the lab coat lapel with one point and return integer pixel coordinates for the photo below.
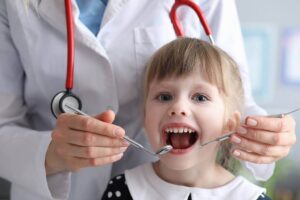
(112, 9)
(54, 13)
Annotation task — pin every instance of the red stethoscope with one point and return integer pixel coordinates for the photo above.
(63, 100)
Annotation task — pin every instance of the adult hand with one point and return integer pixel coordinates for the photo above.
(264, 139)
(79, 141)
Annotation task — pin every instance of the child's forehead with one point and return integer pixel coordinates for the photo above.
(194, 80)
(196, 74)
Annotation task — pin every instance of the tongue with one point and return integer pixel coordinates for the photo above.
(180, 141)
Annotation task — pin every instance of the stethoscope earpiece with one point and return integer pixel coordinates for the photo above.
(63, 98)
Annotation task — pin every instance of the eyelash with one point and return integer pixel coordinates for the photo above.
(203, 97)
(167, 97)
(163, 95)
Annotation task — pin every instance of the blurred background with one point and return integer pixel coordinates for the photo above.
(271, 30)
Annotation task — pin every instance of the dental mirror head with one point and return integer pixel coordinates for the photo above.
(164, 150)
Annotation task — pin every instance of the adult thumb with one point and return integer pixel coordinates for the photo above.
(107, 116)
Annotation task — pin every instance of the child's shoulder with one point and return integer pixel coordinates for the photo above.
(117, 189)
(244, 187)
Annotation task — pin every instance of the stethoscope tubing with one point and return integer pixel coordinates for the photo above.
(177, 25)
(62, 98)
(71, 46)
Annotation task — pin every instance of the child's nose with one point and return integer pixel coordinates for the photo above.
(180, 109)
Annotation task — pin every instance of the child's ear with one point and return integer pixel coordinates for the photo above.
(233, 122)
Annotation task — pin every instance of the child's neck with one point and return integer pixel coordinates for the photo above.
(205, 176)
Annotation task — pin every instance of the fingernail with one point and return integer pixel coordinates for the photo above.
(119, 156)
(241, 130)
(119, 132)
(251, 122)
(122, 149)
(124, 142)
(236, 153)
(236, 139)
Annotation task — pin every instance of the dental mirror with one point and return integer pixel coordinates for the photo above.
(163, 150)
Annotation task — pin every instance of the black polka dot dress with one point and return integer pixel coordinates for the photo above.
(117, 189)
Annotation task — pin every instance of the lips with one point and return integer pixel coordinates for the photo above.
(180, 136)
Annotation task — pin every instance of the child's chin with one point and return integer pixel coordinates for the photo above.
(178, 164)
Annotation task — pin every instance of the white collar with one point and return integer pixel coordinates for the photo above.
(143, 183)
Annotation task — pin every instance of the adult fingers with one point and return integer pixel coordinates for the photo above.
(252, 157)
(89, 152)
(89, 124)
(82, 138)
(284, 124)
(74, 163)
(107, 116)
(267, 137)
(260, 148)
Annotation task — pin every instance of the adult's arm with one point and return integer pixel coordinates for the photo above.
(22, 150)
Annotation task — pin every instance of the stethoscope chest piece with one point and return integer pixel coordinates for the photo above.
(63, 98)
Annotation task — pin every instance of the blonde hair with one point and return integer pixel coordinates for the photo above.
(183, 56)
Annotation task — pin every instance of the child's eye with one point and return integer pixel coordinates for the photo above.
(199, 98)
(164, 97)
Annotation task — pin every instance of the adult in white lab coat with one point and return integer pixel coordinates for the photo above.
(108, 71)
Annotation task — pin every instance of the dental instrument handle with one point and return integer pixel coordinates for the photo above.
(281, 115)
(134, 143)
(219, 139)
(77, 111)
(138, 145)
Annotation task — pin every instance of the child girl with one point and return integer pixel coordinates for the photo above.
(193, 94)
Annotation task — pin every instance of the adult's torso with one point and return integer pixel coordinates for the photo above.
(108, 67)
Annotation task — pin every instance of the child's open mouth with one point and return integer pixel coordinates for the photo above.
(180, 138)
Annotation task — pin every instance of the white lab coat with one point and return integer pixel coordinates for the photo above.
(108, 71)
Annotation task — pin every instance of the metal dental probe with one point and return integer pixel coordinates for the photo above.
(165, 149)
(227, 136)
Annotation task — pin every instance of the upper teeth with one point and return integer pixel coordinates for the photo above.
(179, 130)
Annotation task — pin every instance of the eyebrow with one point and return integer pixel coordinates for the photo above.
(168, 84)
